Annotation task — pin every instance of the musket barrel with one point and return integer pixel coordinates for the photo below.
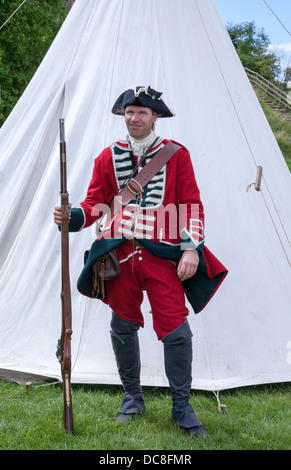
(63, 157)
(62, 130)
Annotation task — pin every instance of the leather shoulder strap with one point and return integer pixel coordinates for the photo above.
(136, 185)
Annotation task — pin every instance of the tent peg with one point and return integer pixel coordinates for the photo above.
(257, 184)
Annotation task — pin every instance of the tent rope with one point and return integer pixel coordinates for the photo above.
(18, 8)
(221, 407)
(276, 17)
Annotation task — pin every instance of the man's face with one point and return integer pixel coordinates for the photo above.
(139, 121)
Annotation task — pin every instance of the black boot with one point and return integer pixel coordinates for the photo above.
(125, 344)
(178, 367)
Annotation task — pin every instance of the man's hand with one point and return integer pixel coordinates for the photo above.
(188, 264)
(58, 214)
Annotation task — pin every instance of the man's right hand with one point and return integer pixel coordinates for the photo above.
(58, 214)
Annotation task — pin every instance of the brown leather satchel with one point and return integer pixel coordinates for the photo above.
(104, 268)
(107, 266)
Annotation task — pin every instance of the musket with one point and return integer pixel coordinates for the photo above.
(64, 344)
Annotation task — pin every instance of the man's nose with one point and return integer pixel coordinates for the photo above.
(135, 117)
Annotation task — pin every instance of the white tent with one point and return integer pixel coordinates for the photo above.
(183, 49)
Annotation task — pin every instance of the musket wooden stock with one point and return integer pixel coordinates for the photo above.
(65, 340)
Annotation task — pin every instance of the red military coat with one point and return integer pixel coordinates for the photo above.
(167, 219)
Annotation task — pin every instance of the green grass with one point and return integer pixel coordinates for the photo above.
(281, 129)
(257, 418)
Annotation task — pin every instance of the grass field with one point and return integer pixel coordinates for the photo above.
(257, 418)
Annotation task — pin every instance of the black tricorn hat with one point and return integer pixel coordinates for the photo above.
(142, 96)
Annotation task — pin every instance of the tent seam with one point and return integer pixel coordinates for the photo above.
(80, 40)
(112, 73)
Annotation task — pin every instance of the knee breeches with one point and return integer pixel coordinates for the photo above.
(156, 276)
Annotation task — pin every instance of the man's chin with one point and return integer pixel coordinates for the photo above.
(137, 134)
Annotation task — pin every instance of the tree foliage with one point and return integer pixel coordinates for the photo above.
(252, 46)
(24, 40)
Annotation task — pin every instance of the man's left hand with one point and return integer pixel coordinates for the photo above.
(188, 265)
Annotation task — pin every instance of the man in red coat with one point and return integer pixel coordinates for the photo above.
(159, 237)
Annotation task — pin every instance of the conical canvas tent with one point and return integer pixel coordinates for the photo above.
(183, 49)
